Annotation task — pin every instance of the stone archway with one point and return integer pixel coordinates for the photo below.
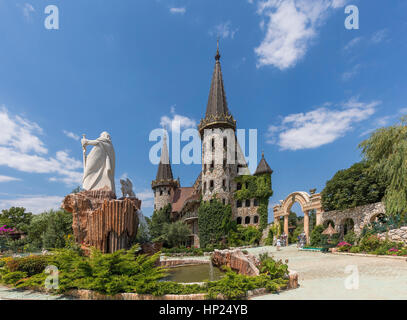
(307, 202)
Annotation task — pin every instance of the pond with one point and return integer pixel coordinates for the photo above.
(195, 273)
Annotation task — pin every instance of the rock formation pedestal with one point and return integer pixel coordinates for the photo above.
(102, 221)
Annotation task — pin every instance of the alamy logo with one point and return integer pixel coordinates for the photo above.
(219, 146)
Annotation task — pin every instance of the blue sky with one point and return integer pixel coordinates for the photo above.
(312, 88)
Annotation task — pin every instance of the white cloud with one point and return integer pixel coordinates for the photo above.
(34, 204)
(224, 30)
(351, 73)
(292, 24)
(27, 9)
(23, 150)
(147, 198)
(379, 36)
(321, 126)
(8, 179)
(176, 122)
(181, 10)
(403, 111)
(352, 43)
(71, 135)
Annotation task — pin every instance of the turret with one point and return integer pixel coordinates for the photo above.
(164, 185)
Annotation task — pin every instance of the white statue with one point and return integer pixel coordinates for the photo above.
(99, 165)
(127, 188)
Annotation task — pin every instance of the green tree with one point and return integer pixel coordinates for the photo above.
(212, 222)
(292, 219)
(386, 152)
(353, 187)
(16, 217)
(317, 238)
(157, 222)
(177, 233)
(49, 229)
(58, 227)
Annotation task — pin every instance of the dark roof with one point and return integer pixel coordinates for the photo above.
(164, 168)
(217, 108)
(217, 104)
(263, 167)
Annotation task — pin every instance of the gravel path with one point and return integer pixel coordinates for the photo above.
(322, 276)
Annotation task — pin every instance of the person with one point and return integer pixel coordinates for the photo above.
(278, 244)
(99, 165)
(274, 240)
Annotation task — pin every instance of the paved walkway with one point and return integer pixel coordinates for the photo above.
(322, 276)
(13, 294)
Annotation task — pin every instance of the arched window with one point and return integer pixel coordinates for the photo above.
(239, 186)
(247, 204)
(256, 202)
(161, 192)
(256, 219)
(204, 187)
(239, 220)
(247, 220)
(238, 203)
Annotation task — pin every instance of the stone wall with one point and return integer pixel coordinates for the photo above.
(361, 216)
(396, 235)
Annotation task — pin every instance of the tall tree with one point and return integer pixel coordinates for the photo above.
(386, 150)
(176, 233)
(16, 218)
(353, 187)
(157, 222)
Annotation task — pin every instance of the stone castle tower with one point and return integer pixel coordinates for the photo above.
(164, 185)
(217, 132)
(222, 162)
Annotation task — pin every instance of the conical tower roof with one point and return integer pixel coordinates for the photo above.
(217, 112)
(164, 168)
(263, 167)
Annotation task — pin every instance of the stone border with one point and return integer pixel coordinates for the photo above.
(369, 255)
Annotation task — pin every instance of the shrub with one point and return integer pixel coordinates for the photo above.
(30, 265)
(244, 236)
(13, 277)
(355, 249)
(369, 243)
(274, 269)
(235, 286)
(317, 238)
(344, 246)
(350, 237)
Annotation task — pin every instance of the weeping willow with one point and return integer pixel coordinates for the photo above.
(386, 151)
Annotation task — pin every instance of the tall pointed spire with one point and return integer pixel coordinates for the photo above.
(164, 168)
(217, 112)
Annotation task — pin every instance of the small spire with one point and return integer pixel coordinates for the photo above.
(262, 154)
(217, 57)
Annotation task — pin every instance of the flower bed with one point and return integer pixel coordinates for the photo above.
(373, 245)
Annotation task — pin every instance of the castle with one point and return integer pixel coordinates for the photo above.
(222, 162)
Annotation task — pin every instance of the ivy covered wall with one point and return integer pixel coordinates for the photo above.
(256, 187)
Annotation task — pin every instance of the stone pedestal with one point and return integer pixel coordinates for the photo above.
(102, 221)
